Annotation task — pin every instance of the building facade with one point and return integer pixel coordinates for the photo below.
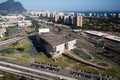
(2, 32)
(55, 44)
(79, 20)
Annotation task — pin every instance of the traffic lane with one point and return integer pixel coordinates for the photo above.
(22, 72)
(38, 71)
(32, 72)
(11, 40)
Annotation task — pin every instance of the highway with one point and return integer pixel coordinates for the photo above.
(23, 73)
(5, 66)
(11, 40)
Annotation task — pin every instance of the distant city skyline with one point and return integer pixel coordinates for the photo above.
(71, 5)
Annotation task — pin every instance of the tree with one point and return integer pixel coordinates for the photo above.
(20, 49)
(10, 51)
(23, 78)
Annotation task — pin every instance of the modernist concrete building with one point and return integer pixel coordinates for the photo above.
(55, 43)
(13, 20)
(24, 23)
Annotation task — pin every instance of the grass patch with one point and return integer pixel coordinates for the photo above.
(82, 55)
(114, 71)
(78, 67)
(41, 57)
(64, 30)
(27, 47)
(26, 55)
(90, 70)
(7, 55)
(68, 60)
(9, 76)
(103, 64)
(61, 61)
(98, 57)
(21, 43)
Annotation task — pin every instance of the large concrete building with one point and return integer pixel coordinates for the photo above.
(55, 43)
(25, 23)
(14, 20)
(57, 17)
(5, 24)
(13, 17)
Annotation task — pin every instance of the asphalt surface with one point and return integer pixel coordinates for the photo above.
(11, 40)
(26, 70)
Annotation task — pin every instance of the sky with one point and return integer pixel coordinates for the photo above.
(71, 5)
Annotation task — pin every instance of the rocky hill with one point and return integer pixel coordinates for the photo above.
(11, 6)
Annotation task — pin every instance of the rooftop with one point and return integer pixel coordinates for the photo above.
(112, 37)
(96, 33)
(108, 36)
(55, 38)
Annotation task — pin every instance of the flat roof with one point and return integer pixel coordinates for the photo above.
(95, 33)
(112, 37)
(55, 38)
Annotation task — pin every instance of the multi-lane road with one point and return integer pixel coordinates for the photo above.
(9, 41)
(34, 73)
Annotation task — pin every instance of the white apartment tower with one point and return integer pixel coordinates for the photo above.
(79, 20)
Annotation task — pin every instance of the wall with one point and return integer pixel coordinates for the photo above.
(60, 49)
(24, 23)
(44, 30)
(71, 45)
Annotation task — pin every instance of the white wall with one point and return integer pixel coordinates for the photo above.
(24, 23)
(2, 31)
(71, 45)
(45, 30)
(60, 48)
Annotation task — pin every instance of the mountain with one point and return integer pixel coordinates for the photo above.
(12, 7)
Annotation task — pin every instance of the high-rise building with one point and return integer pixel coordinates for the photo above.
(119, 15)
(72, 20)
(66, 19)
(53, 14)
(34, 13)
(79, 20)
(57, 17)
(105, 14)
(44, 13)
(90, 14)
(48, 14)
